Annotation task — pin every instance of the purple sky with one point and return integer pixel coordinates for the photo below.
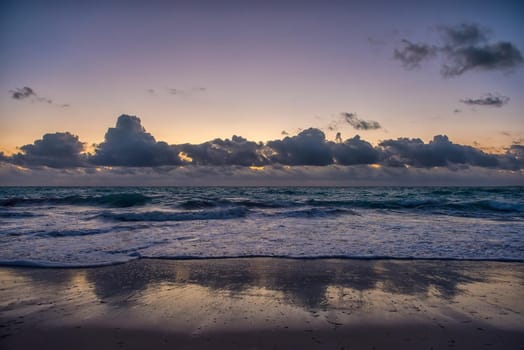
(193, 71)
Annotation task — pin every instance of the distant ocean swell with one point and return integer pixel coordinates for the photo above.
(125, 200)
(120, 200)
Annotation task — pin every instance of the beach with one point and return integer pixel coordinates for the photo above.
(265, 303)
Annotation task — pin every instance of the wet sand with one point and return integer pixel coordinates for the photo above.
(264, 303)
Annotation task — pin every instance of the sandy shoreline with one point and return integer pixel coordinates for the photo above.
(265, 303)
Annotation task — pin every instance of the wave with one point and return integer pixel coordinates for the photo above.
(120, 200)
(224, 214)
(70, 233)
(314, 213)
(17, 214)
(194, 204)
(56, 264)
(197, 204)
(425, 204)
(500, 206)
(122, 259)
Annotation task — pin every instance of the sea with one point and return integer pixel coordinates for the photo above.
(94, 226)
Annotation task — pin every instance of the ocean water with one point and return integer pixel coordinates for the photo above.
(91, 226)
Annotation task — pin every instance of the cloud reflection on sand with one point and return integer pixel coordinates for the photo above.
(203, 295)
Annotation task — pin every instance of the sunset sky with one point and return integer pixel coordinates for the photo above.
(194, 71)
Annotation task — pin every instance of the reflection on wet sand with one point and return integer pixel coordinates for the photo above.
(202, 297)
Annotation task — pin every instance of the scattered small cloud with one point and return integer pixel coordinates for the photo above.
(184, 92)
(463, 34)
(27, 93)
(411, 55)
(464, 47)
(488, 100)
(360, 124)
(498, 56)
(22, 93)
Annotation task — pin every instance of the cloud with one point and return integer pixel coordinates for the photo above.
(355, 151)
(128, 144)
(28, 93)
(237, 151)
(273, 175)
(465, 47)
(411, 55)
(489, 100)
(20, 94)
(498, 56)
(184, 92)
(359, 124)
(464, 34)
(58, 150)
(440, 152)
(309, 147)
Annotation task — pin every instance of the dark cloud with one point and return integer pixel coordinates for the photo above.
(28, 93)
(517, 151)
(489, 100)
(309, 147)
(355, 151)
(128, 144)
(465, 47)
(456, 110)
(411, 55)
(440, 152)
(58, 150)
(497, 56)
(464, 34)
(237, 151)
(20, 94)
(359, 124)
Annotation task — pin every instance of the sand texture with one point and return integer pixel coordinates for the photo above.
(264, 303)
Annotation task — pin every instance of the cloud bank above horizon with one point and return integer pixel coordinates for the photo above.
(308, 157)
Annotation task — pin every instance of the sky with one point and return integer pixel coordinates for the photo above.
(261, 92)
